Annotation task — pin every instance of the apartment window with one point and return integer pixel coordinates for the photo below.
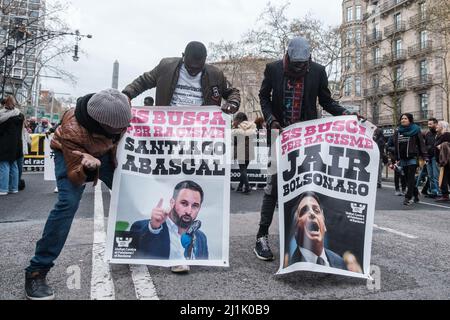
(349, 37)
(397, 47)
(375, 81)
(422, 10)
(398, 75)
(423, 39)
(348, 87)
(397, 20)
(358, 87)
(358, 59)
(423, 101)
(358, 37)
(376, 54)
(348, 61)
(423, 68)
(358, 13)
(349, 14)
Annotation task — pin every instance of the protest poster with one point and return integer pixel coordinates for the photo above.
(49, 162)
(34, 160)
(170, 202)
(327, 184)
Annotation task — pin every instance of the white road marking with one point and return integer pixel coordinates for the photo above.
(143, 283)
(395, 232)
(421, 202)
(102, 286)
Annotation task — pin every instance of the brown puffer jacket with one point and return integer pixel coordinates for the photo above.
(71, 136)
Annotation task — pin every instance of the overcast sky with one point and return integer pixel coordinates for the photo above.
(139, 33)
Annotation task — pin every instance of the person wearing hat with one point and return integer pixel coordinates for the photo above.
(409, 144)
(187, 81)
(84, 146)
(288, 94)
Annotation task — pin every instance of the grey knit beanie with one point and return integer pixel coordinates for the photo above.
(110, 107)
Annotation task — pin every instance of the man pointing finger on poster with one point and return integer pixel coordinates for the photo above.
(159, 216)
(174, 234)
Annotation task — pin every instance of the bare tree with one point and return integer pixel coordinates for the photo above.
(269, 40)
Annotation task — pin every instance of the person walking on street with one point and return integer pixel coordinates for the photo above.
(381, 142)
(432, 164)
(11, 124)
(409, 145)
(399, 175)
(442, 154)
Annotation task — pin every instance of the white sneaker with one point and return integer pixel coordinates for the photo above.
(180, 269)
(3, 193)
(56, 190)
(13, 192)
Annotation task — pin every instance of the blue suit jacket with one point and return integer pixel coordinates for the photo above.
(334, 260)
(157, 246)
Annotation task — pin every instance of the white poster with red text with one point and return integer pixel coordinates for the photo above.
(170, 201)
(327, 184)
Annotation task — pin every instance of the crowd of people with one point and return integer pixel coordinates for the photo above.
(15, 141)
(417, 158)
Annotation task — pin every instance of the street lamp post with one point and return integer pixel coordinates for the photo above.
(49, 35)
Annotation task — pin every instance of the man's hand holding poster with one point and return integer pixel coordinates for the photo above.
(171, 196)
(327, 182)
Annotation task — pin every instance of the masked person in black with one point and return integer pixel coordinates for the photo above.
(409, 145)
(288, 95)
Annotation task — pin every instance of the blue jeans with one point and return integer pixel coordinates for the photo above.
(433, 176)
(60, 219)
(9, 176)
(20, 166)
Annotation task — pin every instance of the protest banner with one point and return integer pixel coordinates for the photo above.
(170, 202)
(49, 162)
(34, 160)
(327, 184)
(257, 168)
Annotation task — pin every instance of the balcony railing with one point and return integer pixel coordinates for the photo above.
(422, 115)
(388, 5)
(392, 88)
(421, 48)
(375, 63)
(418, 19)
(395, 56)
(395, 28)
(420, 82)
(372, 92)
(374, 37)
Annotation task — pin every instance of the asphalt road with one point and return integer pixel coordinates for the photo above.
(410, 249)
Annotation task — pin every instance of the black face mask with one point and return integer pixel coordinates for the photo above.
(299, 67)
(295, 70)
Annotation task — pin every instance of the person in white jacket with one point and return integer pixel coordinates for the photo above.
(26, 140)
(243, 134)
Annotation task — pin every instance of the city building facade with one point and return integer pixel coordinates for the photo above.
(392, 62)
(21, 23)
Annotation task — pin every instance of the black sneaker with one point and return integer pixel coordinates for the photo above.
(36, 287)
(262, 249)
(407, 202)
(416, 200)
